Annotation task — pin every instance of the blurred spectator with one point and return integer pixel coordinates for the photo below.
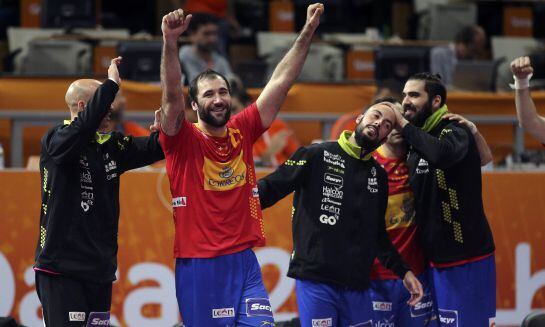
(469, 44)
(386, 89)
(202, 54)
(120, 124)
(274, 146)
(223, 10)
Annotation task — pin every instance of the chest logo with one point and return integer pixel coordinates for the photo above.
(224, 176)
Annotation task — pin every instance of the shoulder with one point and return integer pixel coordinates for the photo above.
(450, 126)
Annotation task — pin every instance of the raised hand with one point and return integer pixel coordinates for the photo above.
(174, 24)
(156, 126)
(314, 12)
(113, 73)
(521, 67)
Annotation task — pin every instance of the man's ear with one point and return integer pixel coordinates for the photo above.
(359, 118)
(436, 103)
(194, 105)
(81, 105)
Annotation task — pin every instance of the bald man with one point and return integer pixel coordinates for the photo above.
(80, 164)
(340, 200)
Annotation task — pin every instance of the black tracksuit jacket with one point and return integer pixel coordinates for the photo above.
(445, 175)
(80, 191)
(337, 216)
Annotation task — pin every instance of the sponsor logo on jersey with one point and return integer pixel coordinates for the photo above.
(326, 322)
(422, 308)
(333, 179)
(423, 167)
(258, 307)
(382, 306)
(98, 319)
(448, 318)
(223, 313)
(224, 176)
(76, 316)
(179, 202)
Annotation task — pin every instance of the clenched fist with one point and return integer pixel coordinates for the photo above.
(174, 24)
(521, 67)
(314, 11)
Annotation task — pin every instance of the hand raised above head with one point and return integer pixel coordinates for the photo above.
(175, 23)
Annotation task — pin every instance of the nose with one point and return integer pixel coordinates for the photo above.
(405, 101)
(217, 98)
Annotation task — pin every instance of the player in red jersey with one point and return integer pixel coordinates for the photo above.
(212, 180)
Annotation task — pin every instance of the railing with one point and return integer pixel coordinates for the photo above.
(21, 119)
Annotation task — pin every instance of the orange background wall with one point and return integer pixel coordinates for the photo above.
(516, 215)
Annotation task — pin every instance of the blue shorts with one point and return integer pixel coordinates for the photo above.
(390, 304)
(466, 294)
(222, 291)
(325, 305)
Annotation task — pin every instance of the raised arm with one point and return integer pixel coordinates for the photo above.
(172, 101)
(526, 109)
(64, 144)
(484, 151)
(287, 70)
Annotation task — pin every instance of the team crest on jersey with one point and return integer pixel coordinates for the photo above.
(224, 176)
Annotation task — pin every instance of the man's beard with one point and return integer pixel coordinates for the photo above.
(421, 115)
(364, 141)
(206, 116)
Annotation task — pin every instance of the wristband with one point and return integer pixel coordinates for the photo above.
(521, 84)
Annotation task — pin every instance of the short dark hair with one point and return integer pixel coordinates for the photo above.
(433, 85)
(199, 20)
(380, 100)
(464, 36)
(207, 74)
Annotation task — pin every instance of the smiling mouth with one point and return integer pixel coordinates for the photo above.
(373, 129)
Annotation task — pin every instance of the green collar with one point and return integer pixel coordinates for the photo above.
(434, 119)
(352, 150)
(101, 138)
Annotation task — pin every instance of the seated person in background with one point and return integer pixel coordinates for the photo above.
(469, 44)
(274, 146)
(202, 54)
(388, 88)
(121, 125)
(223, 10)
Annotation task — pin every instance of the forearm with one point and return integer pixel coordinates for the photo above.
(283, 77)
(440, 152)
(527, 114)
(171, 85)
(484, 151)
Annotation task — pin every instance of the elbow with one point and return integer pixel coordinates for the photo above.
(485, 160)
